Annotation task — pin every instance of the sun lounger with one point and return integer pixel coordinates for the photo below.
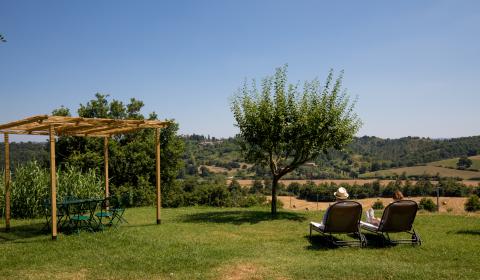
(397, 217)
(341, 217)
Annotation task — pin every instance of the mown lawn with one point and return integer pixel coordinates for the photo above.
(216, 243)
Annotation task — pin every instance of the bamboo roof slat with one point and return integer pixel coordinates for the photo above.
(77, 126)
(23, 121)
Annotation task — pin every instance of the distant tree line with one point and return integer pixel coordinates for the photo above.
(324, 191)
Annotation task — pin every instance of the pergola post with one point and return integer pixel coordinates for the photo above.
(53, 183)
(157, 173)
(7, 183)
(105, 154)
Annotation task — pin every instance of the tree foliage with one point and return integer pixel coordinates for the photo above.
(464, 163)
(282, 127)
(131, 156)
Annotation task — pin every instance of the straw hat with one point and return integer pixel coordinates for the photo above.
(341, 193)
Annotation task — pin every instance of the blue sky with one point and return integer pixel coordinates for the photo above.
(414, 65)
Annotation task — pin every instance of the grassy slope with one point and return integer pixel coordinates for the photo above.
(208, 243)
(420, 170)
(453, 162)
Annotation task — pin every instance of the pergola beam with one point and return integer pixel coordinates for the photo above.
(53, 184)
(105, 155)
(7, 182)
(157, 174)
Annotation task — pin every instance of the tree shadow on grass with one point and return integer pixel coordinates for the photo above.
(238, 217)
(22, 232)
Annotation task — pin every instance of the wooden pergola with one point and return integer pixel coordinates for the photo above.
(75, 126)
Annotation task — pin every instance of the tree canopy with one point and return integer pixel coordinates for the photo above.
(282, 127)
(132, 156)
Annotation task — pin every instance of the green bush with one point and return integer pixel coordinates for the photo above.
(427, 204)
(472, 204)
(378, 205)
(279, 204)
(252, 200)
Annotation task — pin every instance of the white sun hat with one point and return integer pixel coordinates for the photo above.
(341, 193)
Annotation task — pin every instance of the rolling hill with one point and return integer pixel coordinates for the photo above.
(452, 163)
(423, 170)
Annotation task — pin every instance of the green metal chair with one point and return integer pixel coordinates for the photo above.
(104, 214)
(117, 209)
(61, 214)
(82, 215)
(112, 212)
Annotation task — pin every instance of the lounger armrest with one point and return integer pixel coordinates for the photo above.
(368, 226)
(317, 226)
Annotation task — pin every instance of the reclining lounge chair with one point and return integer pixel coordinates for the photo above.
(397, 217)
(341, 217)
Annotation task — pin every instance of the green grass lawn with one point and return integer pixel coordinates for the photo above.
(216, 243)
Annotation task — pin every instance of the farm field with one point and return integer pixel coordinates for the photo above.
(425, 169)
(452, 205)
(452, 163)
(248, 182)
(234, 243)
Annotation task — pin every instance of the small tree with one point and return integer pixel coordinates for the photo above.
(472, 204)
(464, 163)
(427, 204)
(282, 128)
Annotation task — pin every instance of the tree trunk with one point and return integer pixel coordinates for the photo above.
(274, 196)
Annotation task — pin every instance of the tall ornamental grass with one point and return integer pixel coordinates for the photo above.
(30, 188)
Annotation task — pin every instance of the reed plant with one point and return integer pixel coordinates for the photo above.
(30, 188)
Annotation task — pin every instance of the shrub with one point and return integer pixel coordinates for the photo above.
(253, 200)
(279, 204)
(378, 205)
(427, 204)
(472, 204)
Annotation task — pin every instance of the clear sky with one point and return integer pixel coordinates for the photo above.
(414, 65)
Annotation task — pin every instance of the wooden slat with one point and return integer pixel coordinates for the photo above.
(24, 132)
(23, 121)
(38, 128)
(100, 129)
(114, 131)
(73, 128)
(77, 126)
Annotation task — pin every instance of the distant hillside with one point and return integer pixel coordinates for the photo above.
(452, 163)
(422, 171)
(409, 151)
(365, 155)
(23, 152)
